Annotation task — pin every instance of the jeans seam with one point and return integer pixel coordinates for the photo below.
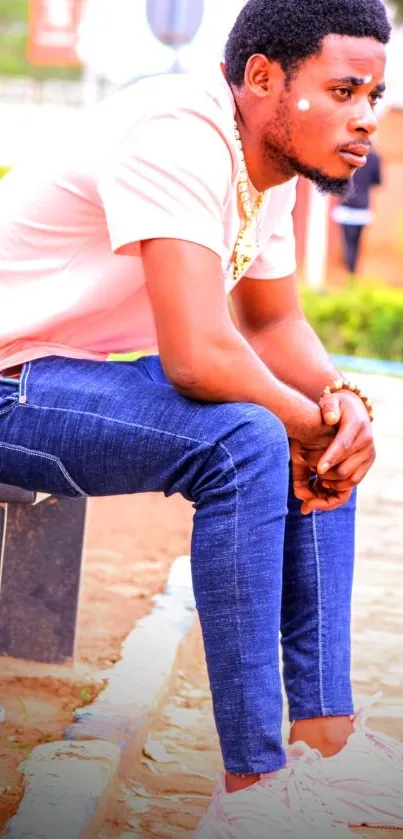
(236, 586)
(134, 425)
(13, 404)
(319, 611)
(51, 457)
(124, 422)
(24, 381)
(8, 409)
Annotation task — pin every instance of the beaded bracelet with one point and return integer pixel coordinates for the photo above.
(343, 384)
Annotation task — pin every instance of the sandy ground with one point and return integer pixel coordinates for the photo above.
(130, 546)
(171, 786)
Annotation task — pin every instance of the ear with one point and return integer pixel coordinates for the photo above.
(261, 74)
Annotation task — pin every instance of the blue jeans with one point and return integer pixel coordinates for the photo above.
(74, 428)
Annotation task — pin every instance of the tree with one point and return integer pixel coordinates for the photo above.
(398, 4)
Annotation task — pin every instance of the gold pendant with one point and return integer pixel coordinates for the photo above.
(244, 251)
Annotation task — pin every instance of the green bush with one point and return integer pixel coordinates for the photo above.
(361, 321)
(3, 171)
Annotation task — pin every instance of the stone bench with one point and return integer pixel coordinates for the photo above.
(41, 548)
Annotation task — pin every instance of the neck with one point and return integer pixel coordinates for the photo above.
(263, 173)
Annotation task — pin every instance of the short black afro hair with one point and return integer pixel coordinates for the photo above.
(290, 31)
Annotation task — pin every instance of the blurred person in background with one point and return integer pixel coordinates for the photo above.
(354, 212)
(173, 194)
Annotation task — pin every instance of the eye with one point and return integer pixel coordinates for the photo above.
(375, 98)
(343, 93)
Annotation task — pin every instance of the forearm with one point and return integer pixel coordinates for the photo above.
(229, 370)
(296, 356)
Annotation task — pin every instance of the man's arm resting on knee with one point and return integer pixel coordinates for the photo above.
(204, 355)
(270, 317)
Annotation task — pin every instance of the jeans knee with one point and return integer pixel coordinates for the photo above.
(259, 434)
(249, 452)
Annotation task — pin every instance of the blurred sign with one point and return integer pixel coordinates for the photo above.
(53, 32)
(175, 22)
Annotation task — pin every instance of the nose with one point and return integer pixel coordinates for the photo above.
(365, 120)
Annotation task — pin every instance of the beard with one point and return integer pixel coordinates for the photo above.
(323, 182)
(278, 148)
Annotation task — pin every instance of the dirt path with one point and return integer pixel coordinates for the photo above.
(131, 543)
(170, 788)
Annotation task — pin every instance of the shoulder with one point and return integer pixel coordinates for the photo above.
(176, 120)
(187, 98)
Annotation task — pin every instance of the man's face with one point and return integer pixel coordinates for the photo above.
(325, 116)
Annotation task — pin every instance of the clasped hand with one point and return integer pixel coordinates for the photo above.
(327, 469)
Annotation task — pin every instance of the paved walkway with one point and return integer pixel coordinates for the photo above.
(171, 787)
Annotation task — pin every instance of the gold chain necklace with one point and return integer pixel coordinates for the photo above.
(244, 251)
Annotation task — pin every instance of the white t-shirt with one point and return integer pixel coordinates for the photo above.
(157, 160)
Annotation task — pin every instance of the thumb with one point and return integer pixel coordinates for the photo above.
(330, 408)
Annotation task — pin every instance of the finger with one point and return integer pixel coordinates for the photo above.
(297, 452)
(303, 490)
(301, 472)
(320, 506)
(303, 493)
(330, 408)
(351, 465)
(350, 438)
(316, 490)
(312, 458)
(325, 504)
(354, 433)
(353, 480)
(363, 458)
(321, 491)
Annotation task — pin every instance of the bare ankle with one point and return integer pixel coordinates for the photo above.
(238, 782)
(328, 735)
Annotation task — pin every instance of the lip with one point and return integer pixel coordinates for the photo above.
(355, 155)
